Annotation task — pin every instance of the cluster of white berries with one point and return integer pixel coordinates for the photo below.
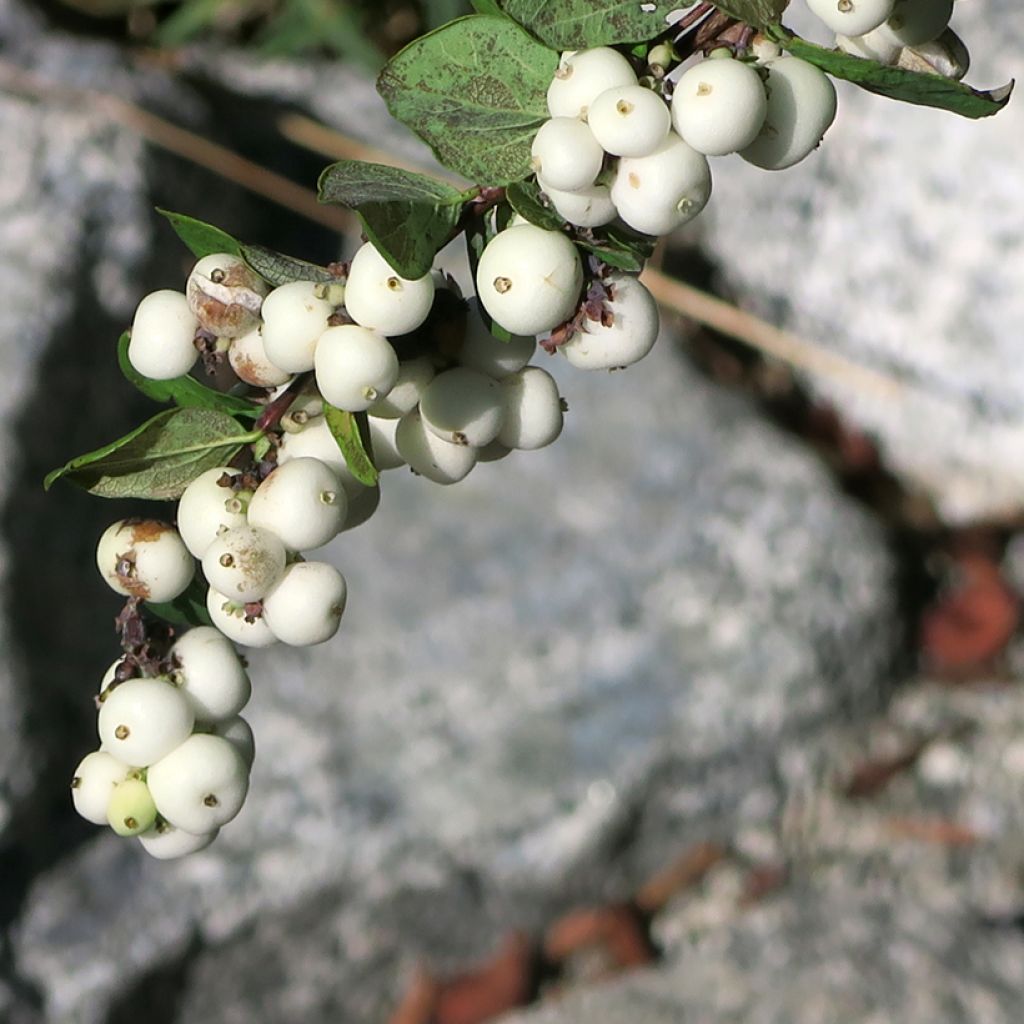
(174, 757)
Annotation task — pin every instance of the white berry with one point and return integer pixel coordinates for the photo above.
(529, 279)
(162, 343)
(379, 298)
(355, 367)
(200, 785)
(413, 376)
(566, 154)
(877, 45)
(582, 76)
(627, 339)
(207, 506)
(482, 351)
(302, 503)
(437, 460)
(463, 406)
(230, 618)
(238, 732)
(628, 120)
(801, 106)
(248, 358)
(93, 784)
(210, 674)
(294, 317)
(141, 720)
(718, 106)
(244, 562)
(144, 558)
(306, 606)
(852, 17)
(533, 409)
(165, 842)
(382, 443)
(586, 208)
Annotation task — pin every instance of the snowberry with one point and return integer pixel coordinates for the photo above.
(200, 785)
(231, 619)
(143, 719)
(533, 409)
(144, 558)
(306, 605)
(852, 17)
(718, 106)
(656, 194)
(877, 46)
(162, 343)
(586, 208)
(582, 76)
(165, 842)
(210, 674)
(238, 732)
(801, 106)
(482, 351)
(430, 456)
(131, 809)
(628, 120)
(413, 376)
(93, 784)
(379, 298)
(627, 339)
(528, 279)
(225, 295)
(382, 443)
(244, 562)
(302, 503)
(355, 367)
(248, 358)
(207, 506)
(566, 154)
(918, 21)
(294, 317)
(463, 406)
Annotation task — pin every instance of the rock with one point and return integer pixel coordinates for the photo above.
(897, 246)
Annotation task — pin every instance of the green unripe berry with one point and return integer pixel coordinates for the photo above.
(131, 810)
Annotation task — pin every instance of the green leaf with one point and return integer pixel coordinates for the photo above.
(186, 392)
(203, 239)
(187, 609)
(759, 13)
(619, 248)
(897, 83)
(345, 428)
(160, 458)
(578, 24)
(524, 198)
(476, 92)
(277, 269)
(407, 216)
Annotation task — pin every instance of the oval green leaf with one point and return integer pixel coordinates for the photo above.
(352, 440)
(277, 269)
(202, 238)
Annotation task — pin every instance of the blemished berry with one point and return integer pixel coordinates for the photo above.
(528, 279)
(248, 358)
(914, 22)
(355, 367)
(413, 376)
(302, 503)
(225, 295)
(210, 674)
(207, 506)
(143, 719)
(582, 76)
(231, 619)
(629, 337)
(382, 443)
(379, 298)
(533, 409)
(852, 17)
(482, 351)
(244, 562)
(463, 406)
(238, 732)
(801, 107)
(628, 120)
(566, 154)
(93, 784)
(200, 785)
(586, 208)
(294, 317)
(165, 842)
(719, 106)
(658, 193)
(437, 460)
(131, 810)
(162, 342)
(144, 558)
(306, 605)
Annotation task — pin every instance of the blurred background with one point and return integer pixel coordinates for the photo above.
(710, 712)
